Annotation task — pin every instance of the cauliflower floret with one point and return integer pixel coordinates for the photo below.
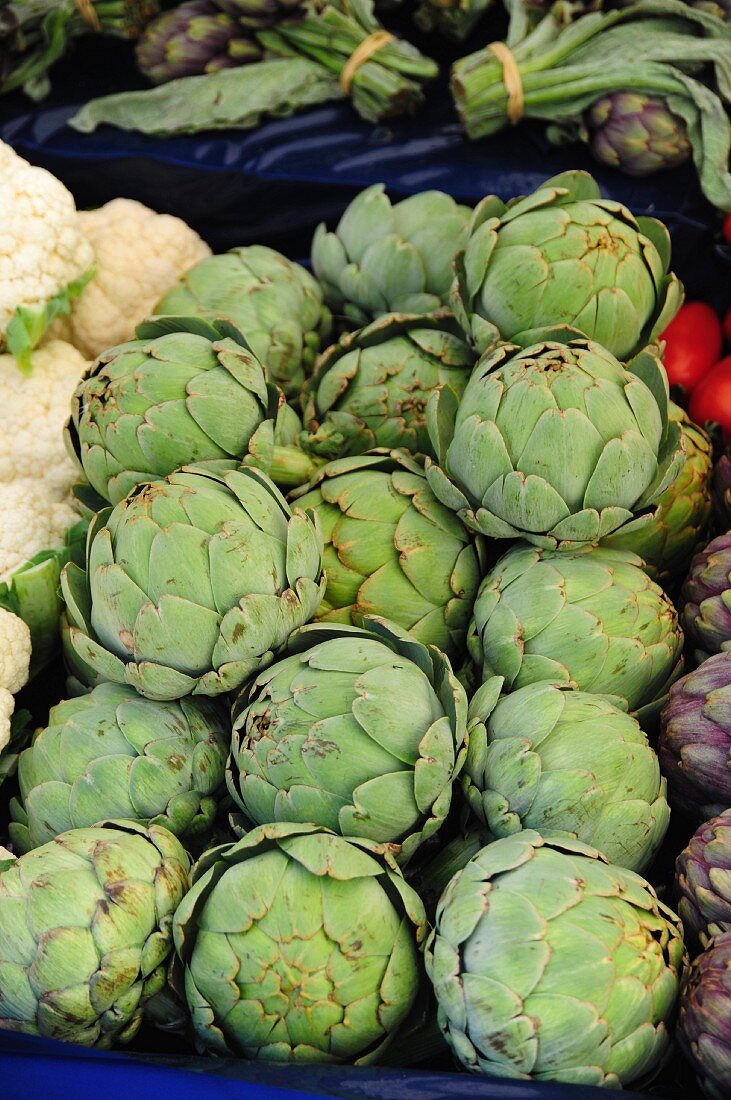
(139, 257)
(14, 665)
(33, 412)
(31, 519)
(42, 246)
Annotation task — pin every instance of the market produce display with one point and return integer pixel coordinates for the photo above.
(378, 703)
(222, 64)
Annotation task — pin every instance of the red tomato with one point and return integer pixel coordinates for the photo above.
(711, 398)
(727, 325)
(693, 342)
(727, 227)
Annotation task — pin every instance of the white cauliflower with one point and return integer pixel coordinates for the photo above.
(14, 665)
(31, 519)
(139, 257)
(33, 412)
(36, 511)
(42, 251)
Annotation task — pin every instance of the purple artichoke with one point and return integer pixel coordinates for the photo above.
(193, 39)
(695, 740)
(704, 1027)
(703, 881)
(722, 491)
(636, 133)
(706, 599)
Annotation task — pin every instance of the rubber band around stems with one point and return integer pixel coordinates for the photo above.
(88, 14)
(362, 53)
(511, 80)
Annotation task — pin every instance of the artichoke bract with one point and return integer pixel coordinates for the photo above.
(560, 443)
(275, 303)
(670, 532)
(360, 731)
(86, 929)
(565, 256)
(636, 133)
(695, 740)
(548, 963)
(392, 549)
(371, 388)
(299, 946)
(192, 583)
(703, 1024)
(185, 391)
(706, 599)
(565, 763)
(703, 881)
(112, 754)
(390, 258)
(591, 620)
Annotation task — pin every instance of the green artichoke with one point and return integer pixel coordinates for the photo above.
(192, 584)
(667, 536)
(385, 258)
(324, 736)
(392, 549)
(591, 620)
(371, 388)
(559, 443)
(113, 754)
(85, 930)
(565, 256)
(299, 946)
(550, 964)
(565, 763)
(184, 391)
(275, 303)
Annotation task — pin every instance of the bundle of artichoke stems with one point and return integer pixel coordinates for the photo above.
(422, 680)
(648, 85)
(35, 33)
(313, 53)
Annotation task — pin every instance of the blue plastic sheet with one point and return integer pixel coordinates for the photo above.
(274, 184)
(32, 1068)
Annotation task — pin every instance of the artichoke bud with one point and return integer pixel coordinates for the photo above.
(295, 914)
(372, 388)
(72, 965)
(624, 294)
(321, 735)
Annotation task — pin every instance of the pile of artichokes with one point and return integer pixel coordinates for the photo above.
(367, 657)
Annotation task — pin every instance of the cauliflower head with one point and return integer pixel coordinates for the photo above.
(139, 257)
(15, 650)
(45, 259)
(33, 412)
(32, 519)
